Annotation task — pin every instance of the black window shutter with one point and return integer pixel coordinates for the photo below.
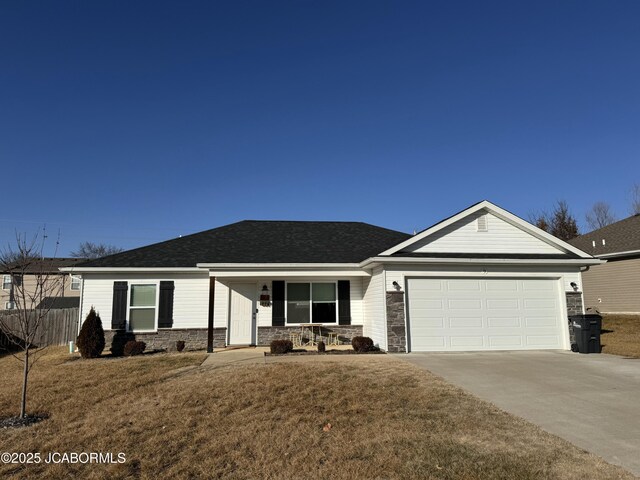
(165, 309)
(344, 302)
(277, 312)
(119, 310)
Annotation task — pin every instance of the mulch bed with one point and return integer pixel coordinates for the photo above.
(17, 422)
(328, 352)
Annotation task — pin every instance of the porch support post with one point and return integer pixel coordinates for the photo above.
(212, 291)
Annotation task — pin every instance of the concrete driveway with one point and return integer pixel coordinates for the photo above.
(593, 401)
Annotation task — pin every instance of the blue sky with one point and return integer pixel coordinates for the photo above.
(134, 122)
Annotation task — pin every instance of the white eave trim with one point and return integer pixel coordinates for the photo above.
(618, 254)
(485, 261)
(277, 266)
(283, 269)
(499, 212)
(129, 269)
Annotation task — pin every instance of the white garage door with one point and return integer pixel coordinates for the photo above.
(484, 314)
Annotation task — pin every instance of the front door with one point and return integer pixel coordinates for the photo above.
(242, 314)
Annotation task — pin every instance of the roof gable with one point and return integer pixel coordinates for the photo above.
(504, 233)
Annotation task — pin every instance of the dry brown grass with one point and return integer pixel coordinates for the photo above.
(175, 419)
(621, 335)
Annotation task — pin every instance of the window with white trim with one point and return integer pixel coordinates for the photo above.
(142, 308)
(6, 282)
(9, 305)
(311, 303)
(76, 282)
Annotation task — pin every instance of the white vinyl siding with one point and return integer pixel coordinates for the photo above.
(500, 237)
(373, 302)
(190, 301)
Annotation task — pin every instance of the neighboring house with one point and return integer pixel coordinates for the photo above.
(482, 279)
(613, 287)
(67, 284)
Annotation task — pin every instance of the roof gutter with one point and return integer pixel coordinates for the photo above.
(128, 269)
(276, 266)
(618, 254)
(484, 261)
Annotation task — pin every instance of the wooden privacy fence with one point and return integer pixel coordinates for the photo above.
(58, 327)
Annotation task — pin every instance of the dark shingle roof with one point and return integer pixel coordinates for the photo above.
(54, 303)
(46, 265)
(622, 236)
(254, 241)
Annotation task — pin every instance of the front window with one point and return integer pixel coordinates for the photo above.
(9, 305)
(142, 308)
(75, 282)
(6, 282)
(311, 303)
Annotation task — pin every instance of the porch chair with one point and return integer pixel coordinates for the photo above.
(296, 339)
(333, 339)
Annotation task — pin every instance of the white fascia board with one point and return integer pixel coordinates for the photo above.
(129, 269)
(288, 273)
(276, 266)
(500, 212)
(618, 254)
(485, 261)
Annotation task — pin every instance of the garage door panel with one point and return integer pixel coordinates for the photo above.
(537, 303)
(464, 304)
(502, 303)
(497, 322)
(502, 285)
(463, 285)
(467, 341)
(505, 341)
(543, 340)
(429, 303)
(484, 314)
(540, 322)
(429, 323)
(465, 322)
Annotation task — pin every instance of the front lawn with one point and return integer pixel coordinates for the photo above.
(621, 335)
(175, 419)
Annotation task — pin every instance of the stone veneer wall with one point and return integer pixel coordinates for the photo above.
(166, 338)
(574, 307)
(345, 333)
(396, 330)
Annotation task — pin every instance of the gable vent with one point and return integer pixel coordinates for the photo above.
(482, 223)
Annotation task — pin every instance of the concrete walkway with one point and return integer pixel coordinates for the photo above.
(233, 356)
(593, 401)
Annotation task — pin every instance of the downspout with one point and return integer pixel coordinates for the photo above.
(212, 291)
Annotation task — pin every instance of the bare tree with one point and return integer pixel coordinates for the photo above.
(559, 223)
(33, 278)
(541, 219)
(600, 216)
(635, 199)
(95, 250)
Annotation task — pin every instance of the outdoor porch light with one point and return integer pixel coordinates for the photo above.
(265, 300)
(396, 285)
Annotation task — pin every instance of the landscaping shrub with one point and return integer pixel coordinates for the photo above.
(180, 345)
(133, 347)
(362, 344)
(321, 347)
(119, 340)
(281, 346)
(90, 341)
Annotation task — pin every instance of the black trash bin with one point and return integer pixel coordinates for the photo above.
(586, 329)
